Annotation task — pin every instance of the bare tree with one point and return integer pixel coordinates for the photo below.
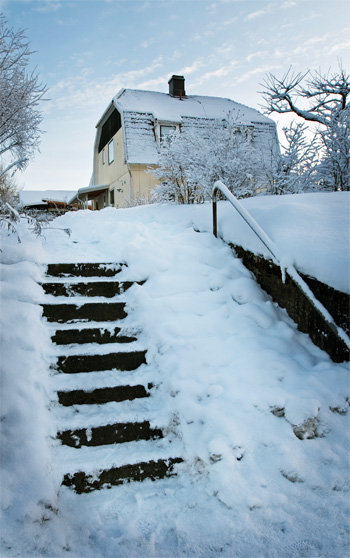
(324, 101)
(327, 95)
(20, 95)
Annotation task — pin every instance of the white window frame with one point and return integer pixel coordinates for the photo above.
(164, 139)
(110, 152)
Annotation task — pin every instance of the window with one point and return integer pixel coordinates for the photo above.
(165, 133)
(111, 197)
(103, 156)
(109, 129)
(110, 152)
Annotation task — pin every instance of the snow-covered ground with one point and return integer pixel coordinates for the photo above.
(235, 379)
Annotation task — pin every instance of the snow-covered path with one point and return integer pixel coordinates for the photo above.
(235, 380)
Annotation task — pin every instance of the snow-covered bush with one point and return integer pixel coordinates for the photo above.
(193, 159)
(10, 217)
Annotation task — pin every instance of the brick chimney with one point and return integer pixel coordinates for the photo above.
(177, 86)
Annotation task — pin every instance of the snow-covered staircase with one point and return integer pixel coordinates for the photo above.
(111, 430)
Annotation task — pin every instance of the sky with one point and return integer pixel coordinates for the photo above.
(85, 51)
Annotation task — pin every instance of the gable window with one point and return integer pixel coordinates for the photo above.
(165, 133)
(103, 156)
(109, 129)
(110, 152)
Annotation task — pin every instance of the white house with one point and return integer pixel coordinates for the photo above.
(130, 131)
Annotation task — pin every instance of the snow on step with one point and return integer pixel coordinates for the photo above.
(153, 470)
(71, 459)
(107, 289)
(105, 378)
(91, 335)
(105, 396)
(126, 360)
(88, 416)
(97, 311)
(92, 348)
(116, 433)
(84, 269)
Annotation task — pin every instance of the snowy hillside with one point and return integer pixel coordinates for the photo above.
(259, 414)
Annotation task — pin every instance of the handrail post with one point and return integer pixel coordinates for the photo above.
(215, 218)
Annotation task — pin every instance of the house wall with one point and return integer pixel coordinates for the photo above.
(129, 182)
(142, 182)
(110, 173)
(101, 201)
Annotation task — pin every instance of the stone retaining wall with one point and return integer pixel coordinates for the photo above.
(289, 296)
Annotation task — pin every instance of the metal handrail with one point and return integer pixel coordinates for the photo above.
(275, 253)
(220, 186)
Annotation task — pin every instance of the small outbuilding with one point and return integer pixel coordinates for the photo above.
(47, 200)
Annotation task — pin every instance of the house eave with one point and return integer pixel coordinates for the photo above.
(91, 192)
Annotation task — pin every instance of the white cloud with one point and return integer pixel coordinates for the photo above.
(259, 54)
(231, 21)
(82, 93)
(344, 46)
(220, 72)
(288, 4)
(196, 65)
(156, 84)
(252, 73)
(148, 42)
(256, 14)
(48, 6)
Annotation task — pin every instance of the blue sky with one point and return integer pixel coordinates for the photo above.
(87, 50)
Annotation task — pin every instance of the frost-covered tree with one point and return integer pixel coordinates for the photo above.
(333, 172)
(8, 189)
(324, 101)
(193, 159)
(20, 96)
(295, 170)
(177, 162)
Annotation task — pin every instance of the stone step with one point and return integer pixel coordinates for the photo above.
(103, 395)
(81, 482)
(84, 269)
(90, 335)
(117, 433)
(107, 289)
(94, 311)
(123, 361)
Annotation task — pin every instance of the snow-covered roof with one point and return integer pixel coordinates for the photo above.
(35, 197)
(166, 108)
(139, 111)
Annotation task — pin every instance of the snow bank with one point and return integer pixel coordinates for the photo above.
(311, 230)
(28, 487)
(261, 414)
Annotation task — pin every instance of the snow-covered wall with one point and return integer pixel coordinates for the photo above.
(310, 230)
